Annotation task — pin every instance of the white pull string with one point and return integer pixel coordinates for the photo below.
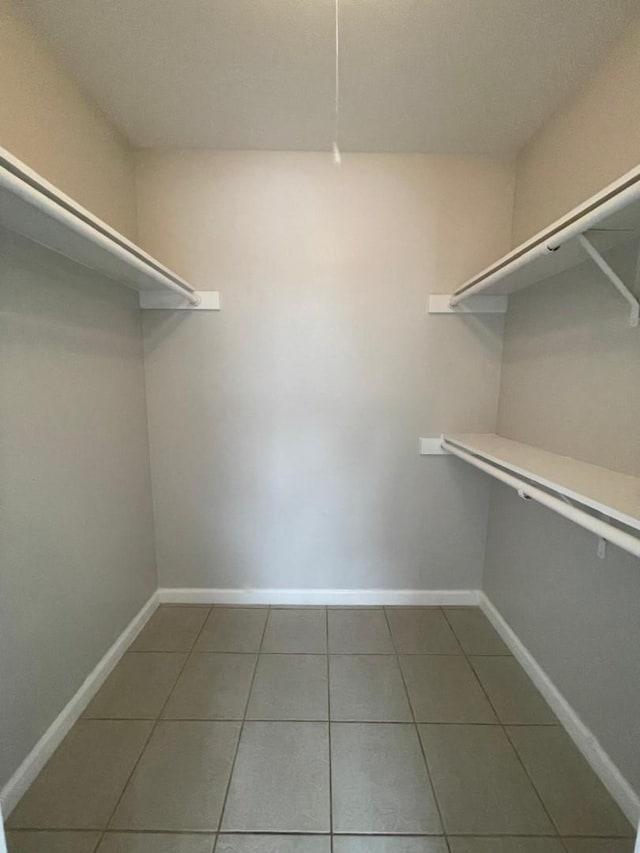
(337, 158)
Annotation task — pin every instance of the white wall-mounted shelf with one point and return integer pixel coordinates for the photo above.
(609, 492)
(606, 219)
(577, 490)
(31, 206)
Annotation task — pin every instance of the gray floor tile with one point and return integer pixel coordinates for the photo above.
(388, 844)
(274, 844)
(233, 629)
(379, 780)
(443, 689)
(359, 632)
(290, 687)
(153, 842)
(300, 631)
(505, 845)
(280, 781)
(181, 779)
(476, 634)
(575, 798)
(28, 841)
(138, 687)
(422, 631)
(367, 687)
(172, 628)
(80, 785)
(511, 691)
(212, 686)
(480, 784)
(599, 845)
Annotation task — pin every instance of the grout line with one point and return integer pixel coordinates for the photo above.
(415, 727)
(154, 726)
(329, 722)
(504, 729)
(244, 720)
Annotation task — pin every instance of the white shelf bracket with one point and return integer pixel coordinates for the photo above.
(159, 300)
(432, 447)
(484, 303)
(614, 278)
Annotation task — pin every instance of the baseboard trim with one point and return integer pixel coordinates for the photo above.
(51, 739)
(356, 597)
(582, 736)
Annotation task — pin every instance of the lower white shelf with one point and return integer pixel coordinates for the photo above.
(598, 499)
(609, 492)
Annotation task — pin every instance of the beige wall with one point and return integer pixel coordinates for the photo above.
(284, 430)
(48, 122)
(570, 384)
(593, 139)
(77, 557)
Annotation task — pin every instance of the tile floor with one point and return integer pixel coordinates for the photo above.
(311, 730)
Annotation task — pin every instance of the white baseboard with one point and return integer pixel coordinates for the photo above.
(51, 739)
(356, 597)
(583, 737)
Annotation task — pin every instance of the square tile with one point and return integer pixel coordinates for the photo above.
(367, 687)
(359, 632)
(172, 628)
(511, 691)
(379, 780)
(280, 781)
(152, 842)
(476, 634)
(443, 689)
(212, 686)
(181, 779)
(480, 784)
(290, 687)
(599, 845)
(505, 845)
(388, 844)
(301, 631)
(79, 786)
(29, 841)
(273, 844)
(138, 686)
(574, 796)
(422, 631)
(233, 629)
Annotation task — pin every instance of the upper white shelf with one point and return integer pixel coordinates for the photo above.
(606, 219)
(609, 492)
(39, 211)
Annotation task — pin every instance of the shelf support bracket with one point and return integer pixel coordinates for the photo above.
(614, 278)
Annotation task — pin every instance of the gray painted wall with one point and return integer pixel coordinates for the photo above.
(284, 430)
(76, 525)
(571, 384)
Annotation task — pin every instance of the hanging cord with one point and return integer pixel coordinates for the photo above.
(337, 158)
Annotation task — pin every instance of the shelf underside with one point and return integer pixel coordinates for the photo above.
(608, 492)
(32, 207)
(531, 262)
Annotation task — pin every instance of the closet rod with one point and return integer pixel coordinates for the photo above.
(602, 529)
(45, 199)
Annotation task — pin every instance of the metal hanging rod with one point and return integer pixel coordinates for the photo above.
(602, 529)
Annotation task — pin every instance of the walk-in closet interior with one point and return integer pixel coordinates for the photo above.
(319, 426)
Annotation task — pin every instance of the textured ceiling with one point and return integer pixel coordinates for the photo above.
(446, 76)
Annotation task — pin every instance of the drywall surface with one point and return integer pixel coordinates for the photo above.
(571, 368)
(577, 615)
(50, 124)
(592, 140)
(284, 429)
(76, 525)
(570, 384)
